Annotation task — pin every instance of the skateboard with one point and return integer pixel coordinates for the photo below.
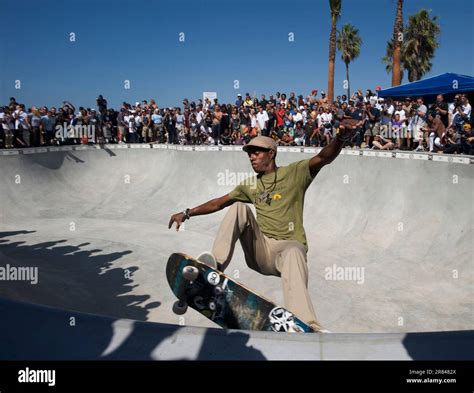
(225, 301)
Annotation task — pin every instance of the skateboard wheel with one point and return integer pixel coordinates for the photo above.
(180, 307)
(190, 273)
(218, 291)
(212, 306)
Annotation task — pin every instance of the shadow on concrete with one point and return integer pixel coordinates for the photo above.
(33, 332)
(107, 150)
(73, 278)
(455, 345)
(54, 160)
(73, 157)
(54, 319)
(232, 346)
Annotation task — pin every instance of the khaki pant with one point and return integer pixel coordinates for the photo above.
(282, 258)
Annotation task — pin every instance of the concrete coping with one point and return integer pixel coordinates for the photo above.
(397, 154)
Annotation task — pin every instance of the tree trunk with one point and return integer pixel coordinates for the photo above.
(332, 58)
(348, 83)
(397, 45)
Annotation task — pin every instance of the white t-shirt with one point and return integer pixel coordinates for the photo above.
(199, 116)
(423, 109)
(130, 121)
(451, 108)
(466, 109)
(6, 125)
(297, 117)
(305, 116)
(419, 120)
(372, 99)
(253, 121)
(261, 119)
(20, 119)
(402, 114)
(324, 118)
(390, 110)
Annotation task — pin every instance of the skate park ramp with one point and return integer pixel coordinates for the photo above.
(390, 237)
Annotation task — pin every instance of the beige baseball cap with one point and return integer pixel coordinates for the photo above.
(264, 142)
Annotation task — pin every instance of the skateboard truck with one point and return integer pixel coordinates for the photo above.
(180, 307)
(190, 273)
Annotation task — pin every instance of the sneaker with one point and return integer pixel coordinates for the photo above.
(208, 259)
(324, 331)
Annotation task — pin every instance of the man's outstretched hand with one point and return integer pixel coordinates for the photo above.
(347, 128)
(177, 218)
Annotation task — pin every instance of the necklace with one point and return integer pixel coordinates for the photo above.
(265, 195)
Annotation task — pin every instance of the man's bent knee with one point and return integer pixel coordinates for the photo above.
(293, 254)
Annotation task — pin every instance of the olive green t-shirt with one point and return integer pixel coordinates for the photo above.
(280, 212)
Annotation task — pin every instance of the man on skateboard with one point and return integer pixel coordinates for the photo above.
(275, 242)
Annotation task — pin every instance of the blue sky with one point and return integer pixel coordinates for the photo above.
(224, 41)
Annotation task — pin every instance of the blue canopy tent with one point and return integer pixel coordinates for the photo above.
(448, 84)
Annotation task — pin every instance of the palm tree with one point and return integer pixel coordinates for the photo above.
(397, 44)
(348, 43)
(421, 42)
(335, 7)
(418, 47)
(388, 59)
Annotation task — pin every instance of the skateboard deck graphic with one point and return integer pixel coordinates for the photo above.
(224, 301)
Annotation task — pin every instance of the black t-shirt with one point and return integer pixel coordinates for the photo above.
(113, 118)
(102, 105)
(271, 120)
(357, 115)
(376, 115)
(224, 121)
(245, 119)
(444, 107)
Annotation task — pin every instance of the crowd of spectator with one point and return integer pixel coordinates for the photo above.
(407, 124)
